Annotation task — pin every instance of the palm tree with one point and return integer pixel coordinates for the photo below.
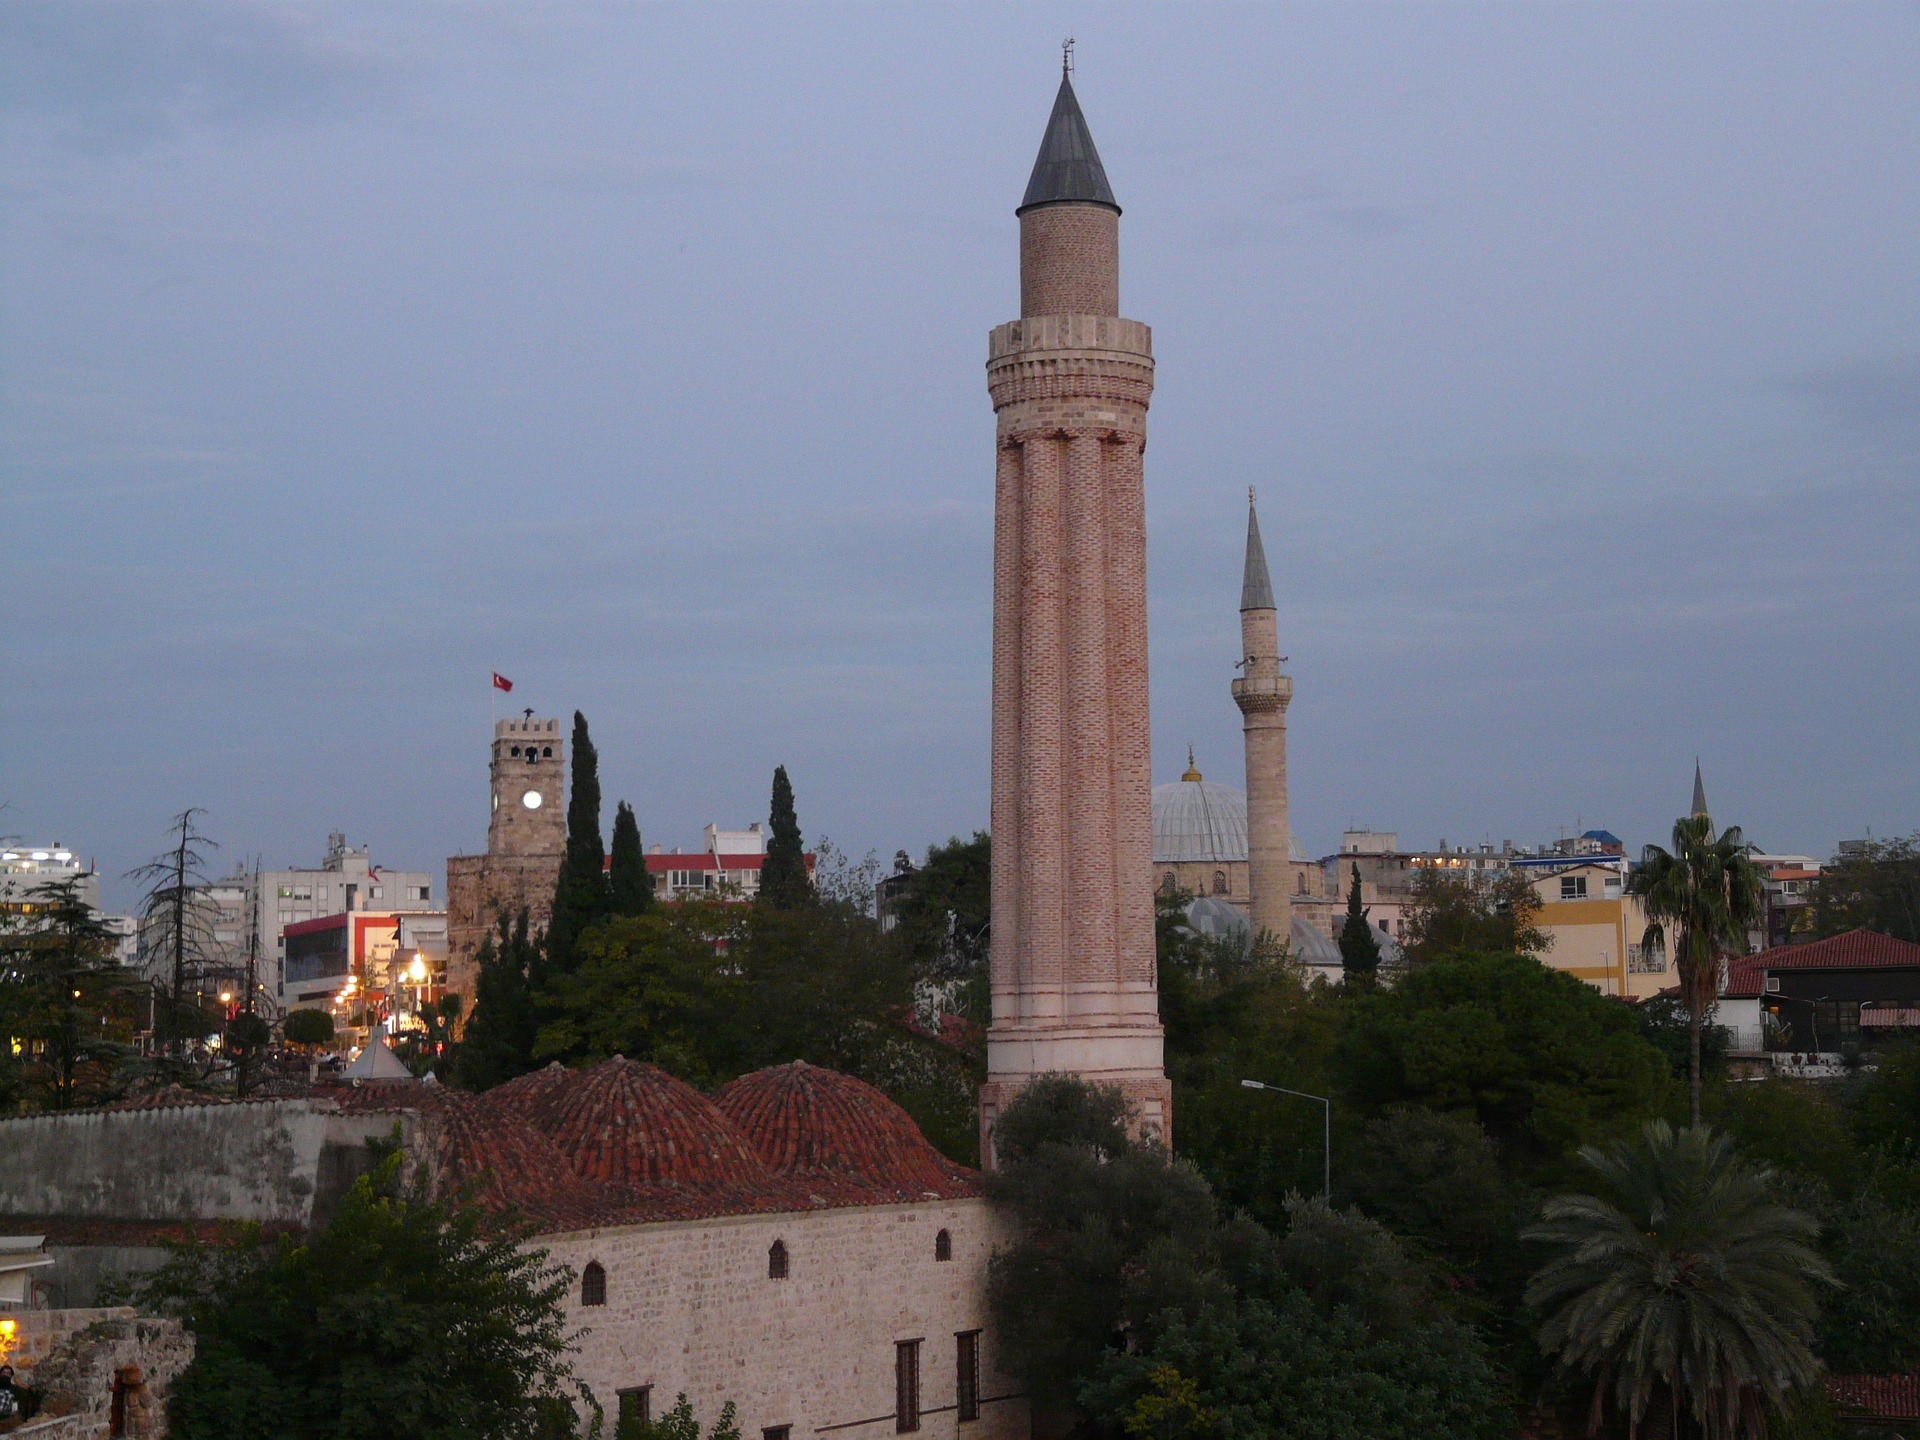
(1687, 1283)
(1707, 892)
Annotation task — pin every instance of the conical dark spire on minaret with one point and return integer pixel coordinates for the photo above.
(1699, 791)
(1256, 587)
(1068, 170)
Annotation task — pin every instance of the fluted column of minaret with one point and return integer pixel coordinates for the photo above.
(1263, 693)
(1074, 988)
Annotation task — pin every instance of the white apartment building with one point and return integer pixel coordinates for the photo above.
(25, 868)
(347, 880)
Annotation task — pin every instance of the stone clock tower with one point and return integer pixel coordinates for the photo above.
(526, 838)
(1074, 988)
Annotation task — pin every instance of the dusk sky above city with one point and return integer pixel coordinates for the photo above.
(349, 354)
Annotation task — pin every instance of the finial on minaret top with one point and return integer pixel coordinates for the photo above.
(1193, 770)
(1256, 587)
(1066, 57)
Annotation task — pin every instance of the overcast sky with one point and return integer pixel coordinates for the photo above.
(350, 353)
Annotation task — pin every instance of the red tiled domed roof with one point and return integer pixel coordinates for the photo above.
(826, 1129)
(532, 1095)
(633, 1124)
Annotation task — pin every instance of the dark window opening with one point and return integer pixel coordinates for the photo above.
(777, 1432)
(1219, 882)
(546, 752)
(906, 1386)
(593, 1284)
(943, 1246)
(967, 1374)
(514, 751)
(636, 1406)
(777, 1261)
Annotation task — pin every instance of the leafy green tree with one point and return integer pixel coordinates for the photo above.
(1125, 1300)
(404, 1316)
(1435, 1178)
(678, 1423)
(1886, 1112)
(1359, 947)
(1457, 912)
(1685, 1289)
(499, 1039)
(580, 897)
(943, 915)
(1792, 1127)
(1707, 893)
(630, 888)
(1543, 1060)
(65, 1001)
(1871, 1324)
(1873, 887)
(1279, 1369)
(783, 875)
(1668, 1028)
(308, 1027)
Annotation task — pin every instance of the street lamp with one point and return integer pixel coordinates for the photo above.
(417, 973)
(1326, 1132)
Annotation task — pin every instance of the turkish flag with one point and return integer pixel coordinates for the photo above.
(500, 682)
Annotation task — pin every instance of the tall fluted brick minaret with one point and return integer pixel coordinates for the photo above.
(1074, 988)
(1263, 693)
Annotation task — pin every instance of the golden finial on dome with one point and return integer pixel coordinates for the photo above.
(1193, 771)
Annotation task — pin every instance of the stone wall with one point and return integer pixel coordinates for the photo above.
(690, 1308)
(480, 888)
(275, 1161)
(102, 1372)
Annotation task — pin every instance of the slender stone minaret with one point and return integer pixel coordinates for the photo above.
(1074, 988)
(1262, 692)
(1699, 791)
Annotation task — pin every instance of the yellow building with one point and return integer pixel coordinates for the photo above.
(1595, 925)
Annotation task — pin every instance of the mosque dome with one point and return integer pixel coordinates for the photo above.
(821, 1127)
(1198, 821)
(633, 1124)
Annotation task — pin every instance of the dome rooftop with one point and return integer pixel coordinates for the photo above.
(1200, 821)
(826, 1129)
(632, 1124)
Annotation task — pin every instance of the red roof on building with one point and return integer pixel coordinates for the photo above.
(1854, 950)
(1884, 1397)
(833, 1132)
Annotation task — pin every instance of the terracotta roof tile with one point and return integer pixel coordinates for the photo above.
(1884, 1397)
(632, 1124)
(1854, 950)
(829, 1130)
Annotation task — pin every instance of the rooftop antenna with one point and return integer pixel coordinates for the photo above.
(1066, 57)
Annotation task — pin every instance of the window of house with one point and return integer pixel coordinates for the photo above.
(424, 893)
(906, 1386)
(635, 1407)
(777, 1432)
(943, 1246)
(966, 1397)
(1219, 882)
(1573, 887)
(379, 892)
(593, 1284)
(777, 1260)
(1383, 927)
(1168, 884)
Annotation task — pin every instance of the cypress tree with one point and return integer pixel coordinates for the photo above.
(498, 1043)
(629, 888)
(581, 897)
(783, 878)
(1359, 947)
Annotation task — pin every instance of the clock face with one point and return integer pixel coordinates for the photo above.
(533, 800)
(496, 799)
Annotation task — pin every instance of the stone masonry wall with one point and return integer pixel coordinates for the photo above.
(275, 1161)
(479, 889)
(1070, 261)
(96, 1367)
(690, 1308)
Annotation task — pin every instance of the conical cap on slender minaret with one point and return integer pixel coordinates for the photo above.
(1699, 791)
(1256, 586)
(1068, 170)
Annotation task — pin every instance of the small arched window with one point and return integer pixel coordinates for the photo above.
(943, 1246)
(1168, 883)
(777, 1261)
(1219, 882)
(593, 1284)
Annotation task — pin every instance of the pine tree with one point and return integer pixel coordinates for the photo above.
(629, 887)
(783, 878)
(1359, 947)
(581, 897)
(498, 1043)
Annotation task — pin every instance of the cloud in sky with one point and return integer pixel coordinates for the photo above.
(356, 351)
